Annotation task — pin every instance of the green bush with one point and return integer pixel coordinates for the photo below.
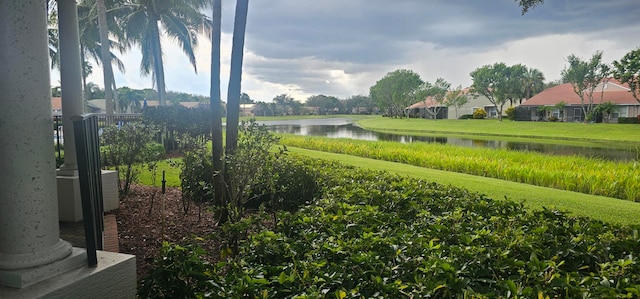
(179, 272)
(552, 118)
(511, 113)
(196, 175)
(479, 114)
(126, 145)
(466, 116)
(629, 120)
(176, 121)
(376, 235)
(292, 185)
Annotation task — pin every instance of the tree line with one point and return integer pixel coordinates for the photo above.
(501, 84)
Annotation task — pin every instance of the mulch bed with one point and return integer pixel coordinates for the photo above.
(141, 233)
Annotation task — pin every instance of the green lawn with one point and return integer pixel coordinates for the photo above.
(597, 207)
(491, 127)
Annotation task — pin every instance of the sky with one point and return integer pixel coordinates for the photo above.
(342, 47)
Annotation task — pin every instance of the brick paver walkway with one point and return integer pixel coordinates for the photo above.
(73, 232)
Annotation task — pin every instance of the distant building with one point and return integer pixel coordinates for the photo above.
(427, 108)
(56, 106)
(611, 91)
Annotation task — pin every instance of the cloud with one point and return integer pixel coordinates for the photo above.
(341, 48)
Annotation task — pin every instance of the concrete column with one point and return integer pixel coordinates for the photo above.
(70, 79)
(29, 233)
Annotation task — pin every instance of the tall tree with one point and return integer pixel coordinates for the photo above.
(584, 77)
(246, 99)
(490, 81)
(627, 70)
(358, 104)
(324, 104)
(284, 104)
(181, 21)
(456, 98)
(514, 80)
(532, 83)
(235, 76)
(437, 92)
(393, 93)
(216, 107)
(96, 26)
(105, 52)
(130, 100)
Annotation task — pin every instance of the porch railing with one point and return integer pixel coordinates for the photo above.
(85, 130)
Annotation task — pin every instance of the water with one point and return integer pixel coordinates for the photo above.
(344, 128)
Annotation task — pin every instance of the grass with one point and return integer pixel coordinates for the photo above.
(626, 133)
(572, 173)
(596, 207)
(172, 173)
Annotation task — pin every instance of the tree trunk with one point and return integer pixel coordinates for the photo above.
(216, 107)
(235, 76)
(107, 70)
(158, 66)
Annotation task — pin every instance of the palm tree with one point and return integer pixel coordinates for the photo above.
(52, 30)
(181, 20)
(130, 99)
(216, 106)
(235, 76)
(533, 83)
(95, 27)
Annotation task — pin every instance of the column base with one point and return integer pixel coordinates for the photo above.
(114, 277)
(70, 201)
(24, 277)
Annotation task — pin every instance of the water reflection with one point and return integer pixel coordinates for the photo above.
(343, 128)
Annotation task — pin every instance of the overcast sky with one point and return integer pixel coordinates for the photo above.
(342, 47)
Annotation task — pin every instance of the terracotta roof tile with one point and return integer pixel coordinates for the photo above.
(564, 92)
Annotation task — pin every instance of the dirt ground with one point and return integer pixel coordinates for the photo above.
(141, 226)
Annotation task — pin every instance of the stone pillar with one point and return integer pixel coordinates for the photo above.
(29, 232)
(70, 80)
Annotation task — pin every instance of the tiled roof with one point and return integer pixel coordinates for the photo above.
(615, 92)
(56, 103)
(430, 102)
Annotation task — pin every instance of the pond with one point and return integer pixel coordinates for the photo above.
(344, 128)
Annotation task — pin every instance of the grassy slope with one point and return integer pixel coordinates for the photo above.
(548, 130)
(597, 207)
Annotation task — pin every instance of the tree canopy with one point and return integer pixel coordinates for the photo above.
(396, 91)
(325, 104)
(528, 4)
(456, 98)
(181, 21)
(585, 76)
(627, 70)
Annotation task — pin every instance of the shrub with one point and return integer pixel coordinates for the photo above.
(511, 113)
(126, 145)
(377, 235)
(479, 114)
(176, 121)
(292, 185)
(179, 271)
(552, 118)
(466, 116)
(629, 120)
(196, 175)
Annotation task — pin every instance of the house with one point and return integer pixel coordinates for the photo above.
(427, 108)
(248, 109)
(99, 105)
(562, 103)
(56, 106)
